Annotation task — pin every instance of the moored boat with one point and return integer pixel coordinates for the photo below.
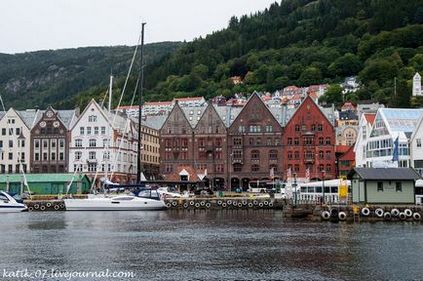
(9, 204)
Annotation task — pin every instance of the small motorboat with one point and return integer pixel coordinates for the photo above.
(10, 204)
(147, 201)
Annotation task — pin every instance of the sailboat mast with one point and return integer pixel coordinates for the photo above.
(110, 93)
(140, 100)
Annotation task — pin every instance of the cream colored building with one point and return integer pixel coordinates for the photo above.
(15, 129)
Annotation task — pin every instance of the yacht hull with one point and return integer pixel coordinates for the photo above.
(108, 204)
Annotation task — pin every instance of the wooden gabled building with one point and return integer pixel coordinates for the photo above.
(309, 143)
(254, 145)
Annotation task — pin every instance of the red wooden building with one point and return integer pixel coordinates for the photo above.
(309, 143)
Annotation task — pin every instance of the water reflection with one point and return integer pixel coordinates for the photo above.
(212, 245)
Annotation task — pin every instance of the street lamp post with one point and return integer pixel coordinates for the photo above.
(295, 189)
(323, 186)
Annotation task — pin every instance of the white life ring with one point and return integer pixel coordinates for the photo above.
(395, 212)
(197, 205)
(229, 202)
(270, 204)
(365, 211)
(379, 212)
(240, 205)
(408, 213)
(48, 204)
(342, 216)
(219, 202)
(202, 203)
(250, 205)
(174, 203)
(36, 206)
(387, 216)
(255, 202)
(261, 204)
(42, 207)
(168, 205)
(56, 207)
(223, 205)
(192, 203)
(208, 205)
(417, 217)
(266, 203)
(325, 215)
(402, 216)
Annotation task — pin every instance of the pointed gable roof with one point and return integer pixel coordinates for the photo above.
(210, 109)
(259, 102)
(176, 115)
(309, 101)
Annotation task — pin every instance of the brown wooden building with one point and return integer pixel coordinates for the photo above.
(309, 143)
(254, 145)
(210, 148)
(50, 140)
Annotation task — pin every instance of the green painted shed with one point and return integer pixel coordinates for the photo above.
(383, 185)
(44, 184)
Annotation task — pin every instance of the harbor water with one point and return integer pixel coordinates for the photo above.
(207, 245)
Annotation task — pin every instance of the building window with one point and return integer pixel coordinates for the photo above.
(255, 154)
(297, 155)
(61, 143)
(289, 141)
(419, 142)
(320, 154)
(273, 154)
(296, 141)
(255, 168)
(103, 130)
(398, 186)
(237, 141)
(380, 186)
(289, 155)
(78, 155)
(37, 156)
(81, 130)
(328, 168)
(319, 127)
(258, 141)
(18, 131)
(61, 156)
(10, 143)
(3, 132)
(297, 128)
(92, 155)
(96, 131)
(10, 155)
(45, 156)
(92, 143)
(92, 118)
(78, 143)
(88, 130)
(327, 141)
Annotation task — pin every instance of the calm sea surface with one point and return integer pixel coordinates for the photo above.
(207, 245)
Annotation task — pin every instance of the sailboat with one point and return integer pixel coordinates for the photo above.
(145, 199)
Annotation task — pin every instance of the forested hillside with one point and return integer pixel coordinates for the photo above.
(293, 42)
(302, 42)
(37, 79)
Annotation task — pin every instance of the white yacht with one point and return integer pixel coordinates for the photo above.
(147, 200)
(8, 204)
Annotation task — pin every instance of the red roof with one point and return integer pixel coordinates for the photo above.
(190, 170)
(348, 155)
(370, 117)
(342, 148)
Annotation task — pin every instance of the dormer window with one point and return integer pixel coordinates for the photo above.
(92, 118)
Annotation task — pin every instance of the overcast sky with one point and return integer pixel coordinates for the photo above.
(28, 25)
